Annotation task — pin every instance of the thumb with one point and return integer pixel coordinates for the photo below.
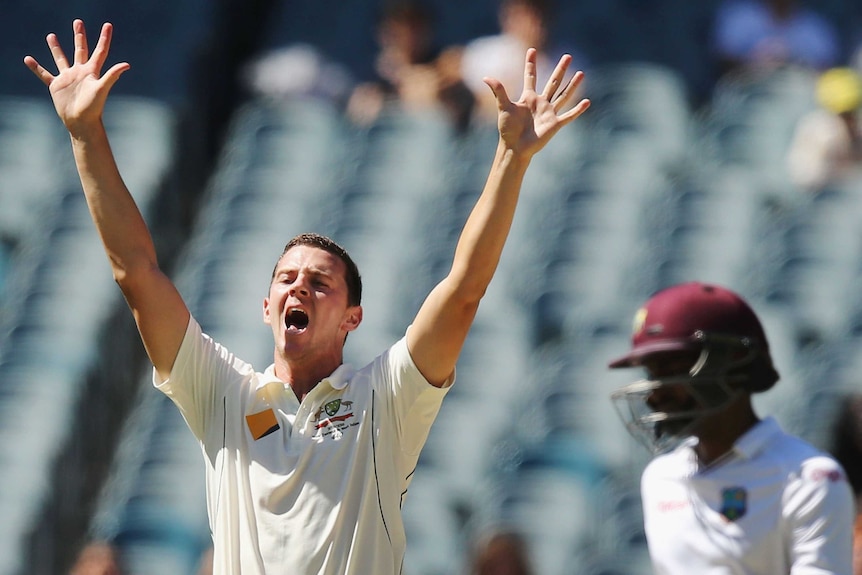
(113, 74)
(499, 91)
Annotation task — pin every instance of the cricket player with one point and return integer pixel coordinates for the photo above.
(307, 462)
(729, 492)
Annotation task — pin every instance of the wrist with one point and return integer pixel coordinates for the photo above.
(512, 157)
(84, 130)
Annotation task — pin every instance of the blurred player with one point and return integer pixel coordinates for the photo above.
(729, 493)
(307, 463)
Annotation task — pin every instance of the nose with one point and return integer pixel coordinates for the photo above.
(657, 397)
(671, 397)
(299, 286)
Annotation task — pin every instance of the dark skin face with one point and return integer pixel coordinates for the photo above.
(716, 432)
(671, 398)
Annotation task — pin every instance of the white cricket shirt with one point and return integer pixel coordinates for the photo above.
(304, 488)
(775, 505)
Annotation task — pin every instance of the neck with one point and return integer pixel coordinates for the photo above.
(718, 433)
(303, 377)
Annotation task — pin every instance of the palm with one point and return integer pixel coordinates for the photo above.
(527, 125)
(78, 90)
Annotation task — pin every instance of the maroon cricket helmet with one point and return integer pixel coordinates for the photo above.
(677, 319)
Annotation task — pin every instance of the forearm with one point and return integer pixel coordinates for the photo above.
(117, 218)
(440, 327)
(484, 235)
(525, 126)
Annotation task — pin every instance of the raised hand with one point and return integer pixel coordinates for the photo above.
(528, 124)
(79, 90)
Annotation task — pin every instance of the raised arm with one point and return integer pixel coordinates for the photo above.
(79, 92)
(440, 328)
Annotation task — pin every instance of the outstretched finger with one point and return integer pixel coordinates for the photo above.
(568, 91)
(579, 109)
(100, 52)
(81, 50)
(57, 52)
(530, 71)
(556, 77)
(37, 69)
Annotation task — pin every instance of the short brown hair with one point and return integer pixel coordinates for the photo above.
(354, 280)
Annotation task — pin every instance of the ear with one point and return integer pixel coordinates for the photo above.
(352, 318)
(266, 315)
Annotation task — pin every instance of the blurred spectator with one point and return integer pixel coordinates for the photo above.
(523, 24)
(827, 144)
(857, 543)
(298, 70)
(847, 449)
(97, 558)
(501, 552)
(770, 33)
(206, 565)
(847, 440)
(410, 70)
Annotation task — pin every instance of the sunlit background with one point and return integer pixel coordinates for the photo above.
(678, 171)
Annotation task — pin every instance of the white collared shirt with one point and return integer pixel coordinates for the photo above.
(311, 487)
(775, 505)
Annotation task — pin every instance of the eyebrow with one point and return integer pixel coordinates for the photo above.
(313, 271)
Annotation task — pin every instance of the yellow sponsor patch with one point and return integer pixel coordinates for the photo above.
(262, 423)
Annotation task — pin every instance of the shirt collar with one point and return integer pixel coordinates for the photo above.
(747, 446)
(337, 380)
(757, 438)
(340, 377)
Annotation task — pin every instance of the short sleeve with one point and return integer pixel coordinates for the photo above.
(410, 400)
(200, 377)
(820, 509)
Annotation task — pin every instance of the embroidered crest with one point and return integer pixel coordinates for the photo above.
(332, 407)
(639, 320)
(334, 424)
(734, 502)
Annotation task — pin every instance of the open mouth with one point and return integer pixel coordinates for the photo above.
(296, 320)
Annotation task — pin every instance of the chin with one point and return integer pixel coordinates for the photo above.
(675, 428)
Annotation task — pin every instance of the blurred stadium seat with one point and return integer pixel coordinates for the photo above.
(58, 260)
(645, 191)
